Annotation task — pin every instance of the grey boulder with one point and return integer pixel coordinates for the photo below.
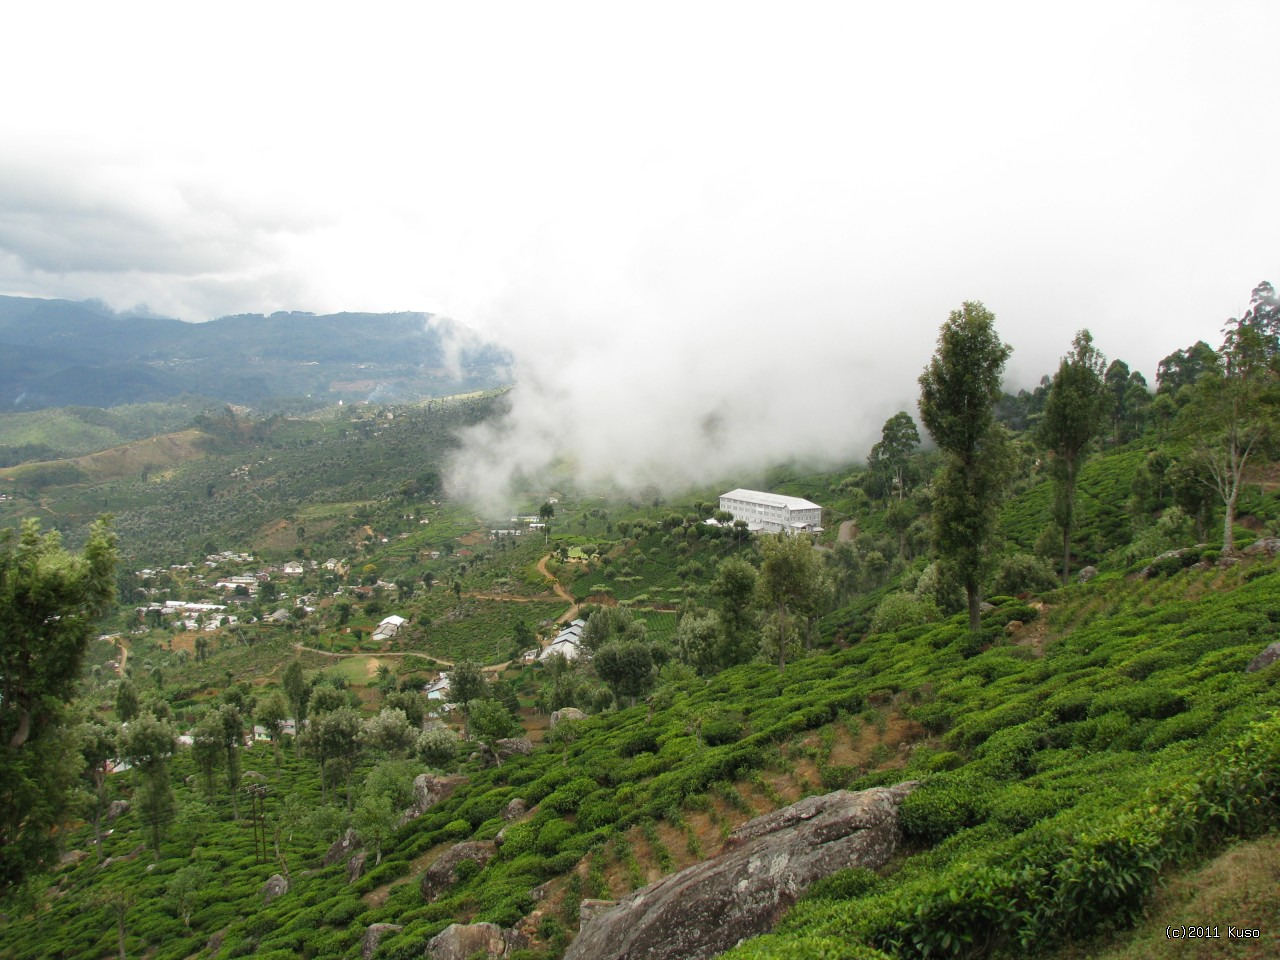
(712, 906)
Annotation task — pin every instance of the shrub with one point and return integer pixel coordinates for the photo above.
(844, 885)
(774, 947)
(518, 840)
(553, 836)
(1023, 573)
(458, 828)
(598, 811)
(941, 807)
(722, 730)
(646, 741)
(343, 912)
(901, 610)
(569, 797)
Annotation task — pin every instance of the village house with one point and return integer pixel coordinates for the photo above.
(388, 628)
(567, 644)
(288, 726)
(438, 689)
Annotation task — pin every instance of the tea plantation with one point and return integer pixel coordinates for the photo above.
(1056, 789)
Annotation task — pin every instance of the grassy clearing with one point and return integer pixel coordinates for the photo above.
(1239, 888)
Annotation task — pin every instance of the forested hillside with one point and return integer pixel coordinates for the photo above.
(56, 353)
(1058, 619)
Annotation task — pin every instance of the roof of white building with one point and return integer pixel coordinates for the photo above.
(393, 620)
(566, 646)
(772, 499)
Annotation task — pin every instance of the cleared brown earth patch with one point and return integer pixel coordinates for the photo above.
(536, 725)
(417, 867)
(184, 641)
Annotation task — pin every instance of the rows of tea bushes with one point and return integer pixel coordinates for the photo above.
(1029, 759)
(1054, 789)
(1066, 784)
(1103, 520)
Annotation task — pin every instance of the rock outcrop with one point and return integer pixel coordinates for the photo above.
(118, 808)
(712, 906)
(1086, 574)
(355, 866)
(513, 747)
(589, 909)
(276, 886)
(1267, 657)
(443, 873)
(342, 848)
(516, 809)
(373, 936)
(566, 713)
(460, 941)
(131, 855)
(1266, 547)
(428, 790)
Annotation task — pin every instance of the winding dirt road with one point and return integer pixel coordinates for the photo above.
(560, 591)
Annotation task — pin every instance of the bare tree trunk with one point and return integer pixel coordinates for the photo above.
(1068, 518)
(782, 638)
(1229, 522)
(975, 606)
(24, 730)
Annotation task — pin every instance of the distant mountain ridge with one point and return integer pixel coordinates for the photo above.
(62, 353)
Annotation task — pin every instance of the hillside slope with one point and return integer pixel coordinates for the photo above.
(60, 353)
(1135, 742)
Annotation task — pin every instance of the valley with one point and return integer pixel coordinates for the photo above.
(317, 715)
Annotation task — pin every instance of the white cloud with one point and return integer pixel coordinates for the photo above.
(653, 205)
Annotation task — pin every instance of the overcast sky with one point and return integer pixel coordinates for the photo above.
(678, 215)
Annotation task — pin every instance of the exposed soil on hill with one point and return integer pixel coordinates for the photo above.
(126, 460)
(417, 866)
(1033, 635)
(560, 591)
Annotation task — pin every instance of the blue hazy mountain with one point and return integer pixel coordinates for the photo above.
(60, 353)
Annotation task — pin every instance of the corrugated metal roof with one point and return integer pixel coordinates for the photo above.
(772, 499)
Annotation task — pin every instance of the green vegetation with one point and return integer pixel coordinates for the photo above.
(1076, 745)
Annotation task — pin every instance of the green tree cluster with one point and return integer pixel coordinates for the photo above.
(958, 392)
(49, 601)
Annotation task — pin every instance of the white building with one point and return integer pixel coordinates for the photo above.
(388, 628)
(772, 512)
(567, 644)
(438, 689)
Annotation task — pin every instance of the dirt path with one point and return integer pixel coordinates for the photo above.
(502, 597)
(565, 617)
(405, 653)
(124, 655)
(560, 591)
(374, 657)
(848, 531)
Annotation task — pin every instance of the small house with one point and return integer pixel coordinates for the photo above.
(437, 689)
(389, 627)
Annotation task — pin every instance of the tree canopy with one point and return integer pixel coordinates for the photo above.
(49, 599)
(1073, 417)
(958, 392)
